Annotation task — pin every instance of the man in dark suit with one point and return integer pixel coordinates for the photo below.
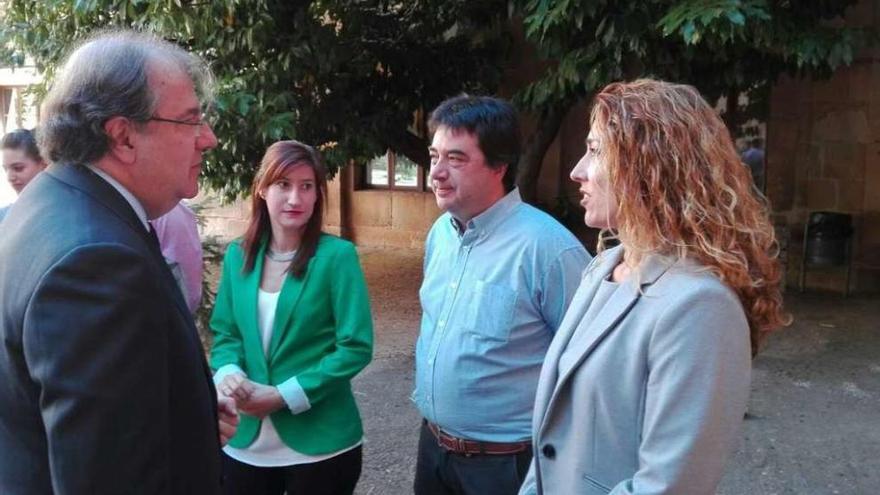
(103, 381)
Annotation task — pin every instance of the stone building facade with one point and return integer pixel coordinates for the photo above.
(823, 154)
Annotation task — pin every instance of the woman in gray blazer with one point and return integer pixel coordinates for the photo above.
(644, 387)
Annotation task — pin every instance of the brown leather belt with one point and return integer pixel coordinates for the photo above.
(473, 447)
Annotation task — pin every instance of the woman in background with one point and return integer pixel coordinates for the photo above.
(644, 387)
(21, 161)
(292, 327)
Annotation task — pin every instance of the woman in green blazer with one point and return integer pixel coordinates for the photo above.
(291, 326)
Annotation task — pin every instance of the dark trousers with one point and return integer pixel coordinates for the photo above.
(335, 476)
(440, 472)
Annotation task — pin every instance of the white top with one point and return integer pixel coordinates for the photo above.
(268, 450)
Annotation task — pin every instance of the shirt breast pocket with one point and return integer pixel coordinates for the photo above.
(489, 310)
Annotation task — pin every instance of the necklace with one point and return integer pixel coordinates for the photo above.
(285, 257)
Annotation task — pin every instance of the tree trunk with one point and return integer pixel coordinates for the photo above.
(550, 120)
(731, 116)
(412, 146)
(346, 185)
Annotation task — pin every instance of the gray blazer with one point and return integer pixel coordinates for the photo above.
(651, 396)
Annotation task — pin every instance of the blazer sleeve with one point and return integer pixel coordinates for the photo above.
(354, 329)
(94, 332)
(227, 347)
(699, 367)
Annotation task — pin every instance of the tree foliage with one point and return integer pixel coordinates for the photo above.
(356, 76)
(723, 47)
(714, 44)
(344, 75)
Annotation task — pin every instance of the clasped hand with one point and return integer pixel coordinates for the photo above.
(251, 398)
(228, 418)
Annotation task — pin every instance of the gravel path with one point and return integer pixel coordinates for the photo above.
(383, 388)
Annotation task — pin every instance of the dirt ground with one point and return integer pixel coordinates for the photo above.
(814, 418)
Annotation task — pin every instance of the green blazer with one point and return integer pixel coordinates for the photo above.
(323, 335)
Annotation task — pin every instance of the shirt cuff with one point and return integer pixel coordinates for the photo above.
(294, 395)
(226, 370)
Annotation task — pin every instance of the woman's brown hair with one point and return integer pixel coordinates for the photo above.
(280, 157)
(684, 192)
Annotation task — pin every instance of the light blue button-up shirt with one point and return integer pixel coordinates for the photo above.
(492, 297)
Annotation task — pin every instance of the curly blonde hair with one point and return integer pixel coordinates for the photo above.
(683, 192)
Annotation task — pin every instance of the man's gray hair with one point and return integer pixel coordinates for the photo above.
(105, 77)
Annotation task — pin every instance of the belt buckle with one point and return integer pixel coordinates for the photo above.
(444, 440)
(438, 434)
(450, 442)
(461, 444)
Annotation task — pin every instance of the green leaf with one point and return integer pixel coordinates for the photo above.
(736, 17)
(689, 32)
(243, 103)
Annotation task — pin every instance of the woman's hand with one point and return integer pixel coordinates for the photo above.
(236, 386)
(262, 401)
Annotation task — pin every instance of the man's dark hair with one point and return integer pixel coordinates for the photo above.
(492, 120)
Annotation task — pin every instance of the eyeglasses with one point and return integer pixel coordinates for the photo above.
(204, 119)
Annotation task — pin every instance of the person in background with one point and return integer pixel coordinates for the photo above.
(292, 327)
(499, 274)
(178, 233)
(753, 157)
(21, 161)
(645, 385)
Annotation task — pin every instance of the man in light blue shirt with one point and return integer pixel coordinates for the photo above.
(499, 275)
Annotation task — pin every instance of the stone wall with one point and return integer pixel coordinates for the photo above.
(222, 221)
(823, 154)
(379, 217)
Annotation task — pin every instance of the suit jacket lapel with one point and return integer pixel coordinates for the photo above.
(572, 321)
(171, 285)
(291, 290)
(614, 309)
(83, 179)
(248, 292)
(612, 312)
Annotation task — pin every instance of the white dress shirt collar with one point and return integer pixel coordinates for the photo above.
(133, 201)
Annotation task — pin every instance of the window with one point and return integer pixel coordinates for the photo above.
(378, 171)
(5, 104)
(394, 171)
